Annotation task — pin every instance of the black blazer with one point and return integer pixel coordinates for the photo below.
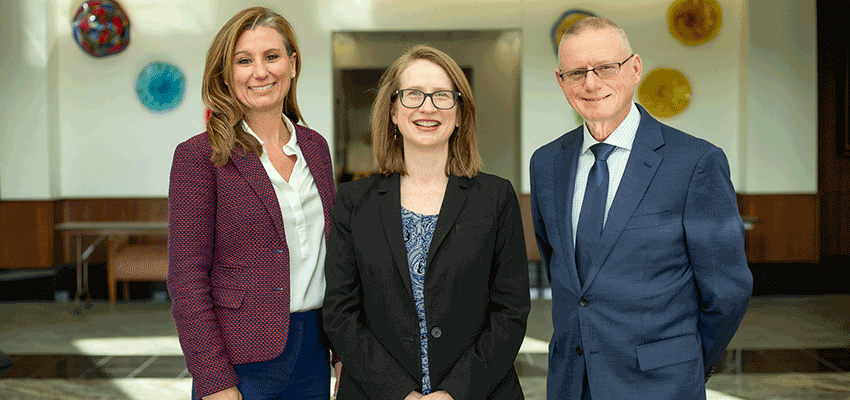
(476, 291)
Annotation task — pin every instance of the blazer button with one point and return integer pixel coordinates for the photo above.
(583, 302)
(579, 351)
(436, 332)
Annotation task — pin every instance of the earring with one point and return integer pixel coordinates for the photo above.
(395, 134)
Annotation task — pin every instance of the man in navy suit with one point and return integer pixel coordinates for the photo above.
(639, 227)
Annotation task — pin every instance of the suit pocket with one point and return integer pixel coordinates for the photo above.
(668, 352)
(228, 298)
(649, 220)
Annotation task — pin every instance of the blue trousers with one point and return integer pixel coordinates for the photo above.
(301, 372)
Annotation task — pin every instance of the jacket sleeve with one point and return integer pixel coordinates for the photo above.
(191, 237)
(363, 357)
(714, 235)
(542, 239)
(485, 364)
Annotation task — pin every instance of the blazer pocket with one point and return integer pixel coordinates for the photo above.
(226, 276)
(649, 220)
(668, 352)
(226, 297)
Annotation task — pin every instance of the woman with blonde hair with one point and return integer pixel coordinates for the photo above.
(427, 293)
(249, 213)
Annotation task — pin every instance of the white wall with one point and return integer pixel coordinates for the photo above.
(780, 144)
(72, 126)
(25, 162)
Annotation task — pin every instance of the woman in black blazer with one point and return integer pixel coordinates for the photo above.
(427, 278)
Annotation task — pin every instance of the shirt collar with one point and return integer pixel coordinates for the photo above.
(623, 136)
(291, 145)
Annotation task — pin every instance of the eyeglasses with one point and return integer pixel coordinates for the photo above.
(442, 99)
(603, 71)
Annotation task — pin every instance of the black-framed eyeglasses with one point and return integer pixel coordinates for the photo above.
(603, 71)
(414, 98)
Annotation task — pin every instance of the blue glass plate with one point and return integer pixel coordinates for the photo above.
(161, 86)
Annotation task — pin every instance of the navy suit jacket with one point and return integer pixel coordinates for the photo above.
(476, 291)
(662, 302)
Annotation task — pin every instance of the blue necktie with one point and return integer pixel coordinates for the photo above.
(592, 209)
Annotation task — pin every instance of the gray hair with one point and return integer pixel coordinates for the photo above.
(595, 23)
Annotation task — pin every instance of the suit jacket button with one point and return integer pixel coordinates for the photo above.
(579, 351)
(583, 302)
(436, 332)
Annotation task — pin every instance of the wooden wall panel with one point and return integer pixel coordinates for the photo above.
(833, 100)
(147, 209)
(789, 230)
(26, 234)
(835, 234)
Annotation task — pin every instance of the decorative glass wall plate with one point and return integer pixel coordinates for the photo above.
(101, 28)
(665, 92)
(694, 22)
(160, 86)
(565, 22)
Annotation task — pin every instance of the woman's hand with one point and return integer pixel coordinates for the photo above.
(439, 395)
(338, 372)
(414, 395)
(227, 394)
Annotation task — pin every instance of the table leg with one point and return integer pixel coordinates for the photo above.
(79, 266)
(86, 283)
(83, 271)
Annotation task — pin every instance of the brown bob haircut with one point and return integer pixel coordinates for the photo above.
(223, 127)
(463, 158)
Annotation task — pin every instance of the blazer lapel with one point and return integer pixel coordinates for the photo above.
(565, 170)
(640, 169)
(320, 169)
(252, 170)
(453, 202)
(389, 206)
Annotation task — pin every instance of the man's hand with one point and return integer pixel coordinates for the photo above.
(414, 395)
(227, 394)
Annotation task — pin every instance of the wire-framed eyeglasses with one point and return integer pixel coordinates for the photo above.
(603, 71)
(414, 98)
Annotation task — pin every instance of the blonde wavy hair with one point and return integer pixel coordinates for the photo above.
(463, 159)
(224, 129)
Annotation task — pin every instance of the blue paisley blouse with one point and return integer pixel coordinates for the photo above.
(418, 230)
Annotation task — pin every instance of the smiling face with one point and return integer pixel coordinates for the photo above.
(425, 127)
(603, 103)
(262, 71)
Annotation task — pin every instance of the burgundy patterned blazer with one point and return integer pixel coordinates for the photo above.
(228, 263)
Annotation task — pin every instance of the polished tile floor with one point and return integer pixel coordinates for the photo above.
(787, 348)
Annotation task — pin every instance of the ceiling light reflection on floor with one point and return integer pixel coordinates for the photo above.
(130, 346)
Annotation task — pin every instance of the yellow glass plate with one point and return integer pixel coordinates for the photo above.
(665, 92)
(694, 22)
